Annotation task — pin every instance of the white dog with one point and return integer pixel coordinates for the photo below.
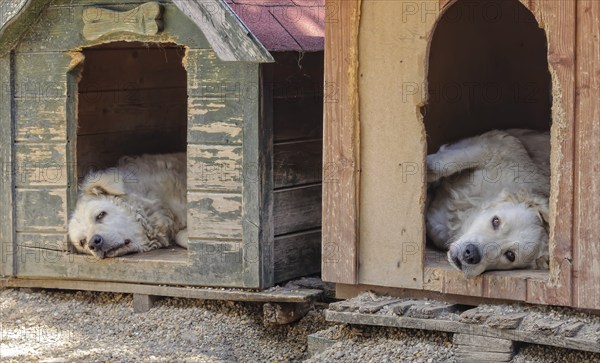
(488, 202)
(138, 206)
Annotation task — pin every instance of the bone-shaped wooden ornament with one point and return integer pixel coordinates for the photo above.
(145, 19)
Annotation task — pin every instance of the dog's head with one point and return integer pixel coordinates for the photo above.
(509, 233)
(104, 223)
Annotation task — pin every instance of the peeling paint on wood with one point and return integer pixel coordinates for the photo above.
(214, 216)
(40, 165)
(215, 167)
(41, 209)
(215, 121)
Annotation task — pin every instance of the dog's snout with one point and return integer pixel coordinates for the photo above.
(471, 254)
(95, 242)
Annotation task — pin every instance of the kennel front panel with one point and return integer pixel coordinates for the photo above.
(228, 217)
(375, 136)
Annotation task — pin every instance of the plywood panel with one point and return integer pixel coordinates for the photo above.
(586, 251)
(340, 153)
(392, 144)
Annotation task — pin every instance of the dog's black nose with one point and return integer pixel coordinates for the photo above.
(471, 254)
(95, 242)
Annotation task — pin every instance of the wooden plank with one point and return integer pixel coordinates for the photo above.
(459, 327)
(41, 76)
(507, 286)
(226, 33)
(297, 255)
(131, 110)
(145, 19)
(586, 247)
(297, 119)
(218, 121)
(165, 266)
(340, 153)
(297, 209)
(209, 77)
(558, 18)
(258, 177)
(143, 303)
(46, 241)
(41, 120)
(7, 134)
(279, 295)
(297, 163)
(41, 165)
(53, 30)
(104, 150)
(275, 314)
(214, 167)
(112, 68)
(41, 210)
(214, 216)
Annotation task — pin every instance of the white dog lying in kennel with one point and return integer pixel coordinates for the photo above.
(488, 202)
(138, 206)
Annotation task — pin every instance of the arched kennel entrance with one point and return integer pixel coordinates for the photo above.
(487, 69)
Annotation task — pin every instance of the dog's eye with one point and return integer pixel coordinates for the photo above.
(495, 222)
(82, 242)
(100, 216)
(510, 255)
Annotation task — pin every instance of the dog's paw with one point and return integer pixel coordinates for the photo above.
(435, 168)
(182, 238)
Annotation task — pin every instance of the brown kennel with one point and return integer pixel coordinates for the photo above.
(410, 76)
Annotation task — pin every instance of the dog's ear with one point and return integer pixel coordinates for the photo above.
(541, 207)
(103, 183)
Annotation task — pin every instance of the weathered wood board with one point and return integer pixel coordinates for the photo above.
(533, 327)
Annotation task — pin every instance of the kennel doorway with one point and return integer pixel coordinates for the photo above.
(131, 99)
(486, 71)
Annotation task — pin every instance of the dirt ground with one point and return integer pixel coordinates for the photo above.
(63, 326)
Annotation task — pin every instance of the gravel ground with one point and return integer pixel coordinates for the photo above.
(59, 326)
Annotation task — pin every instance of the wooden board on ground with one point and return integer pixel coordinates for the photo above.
(271, 295)
(532, 327)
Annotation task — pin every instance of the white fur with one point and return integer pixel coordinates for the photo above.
(504, 174)
(144, 201)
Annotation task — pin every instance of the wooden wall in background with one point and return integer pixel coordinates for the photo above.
(297, 158)
(132, 99)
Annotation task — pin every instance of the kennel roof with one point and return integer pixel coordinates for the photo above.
(284, 25)
(281, 24)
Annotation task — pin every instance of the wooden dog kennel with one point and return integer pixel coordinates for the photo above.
(410, 76)
(85, 82)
